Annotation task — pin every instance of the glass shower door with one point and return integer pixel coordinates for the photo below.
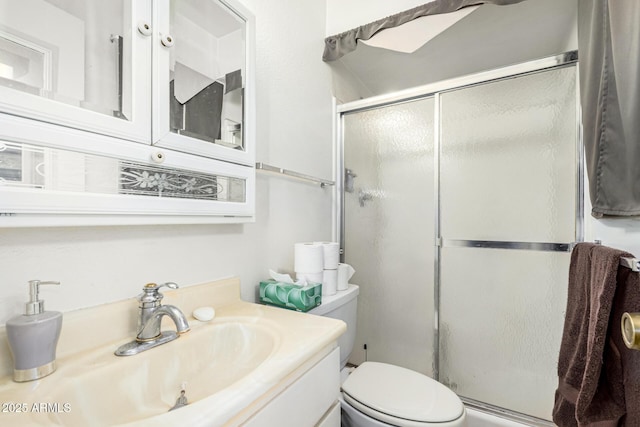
(509, 209)
(461, 204)
(389, 212)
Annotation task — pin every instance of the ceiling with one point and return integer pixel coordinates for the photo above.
(489, 37)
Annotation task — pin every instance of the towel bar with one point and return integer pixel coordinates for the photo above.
(628, 262)
(268, 168)
(631, 263)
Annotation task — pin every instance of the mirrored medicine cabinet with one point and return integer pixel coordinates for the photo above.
(126, 111)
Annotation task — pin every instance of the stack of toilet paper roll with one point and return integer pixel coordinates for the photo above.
(318, 262)
(331, 252)
(308, 262)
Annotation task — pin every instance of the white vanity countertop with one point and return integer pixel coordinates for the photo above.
(265, 350)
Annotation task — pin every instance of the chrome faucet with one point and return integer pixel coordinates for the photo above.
(151, 312)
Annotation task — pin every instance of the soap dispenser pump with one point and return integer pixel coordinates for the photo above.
(33, 337)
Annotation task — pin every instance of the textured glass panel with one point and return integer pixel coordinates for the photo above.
(508, 166)
(67, 50)
(389, 231)
(61, 170)
(207, 72)
(501, 320)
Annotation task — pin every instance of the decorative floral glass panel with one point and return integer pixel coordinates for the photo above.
(148, 180)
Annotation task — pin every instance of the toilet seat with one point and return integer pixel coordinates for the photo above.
(400, 396)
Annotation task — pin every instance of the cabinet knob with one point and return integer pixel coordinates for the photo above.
(144, 28)
(166, 40)
(157, 156)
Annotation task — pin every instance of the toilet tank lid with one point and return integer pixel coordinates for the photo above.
(331, 302)
(402, 393)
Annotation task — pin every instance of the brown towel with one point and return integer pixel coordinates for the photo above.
(598, 375)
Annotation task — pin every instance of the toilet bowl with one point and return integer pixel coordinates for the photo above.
(379, 394)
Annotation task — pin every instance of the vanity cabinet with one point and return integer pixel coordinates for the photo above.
(311, 401)
(128, 108)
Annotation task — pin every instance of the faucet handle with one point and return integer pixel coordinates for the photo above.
(155, 287)
(151, 296)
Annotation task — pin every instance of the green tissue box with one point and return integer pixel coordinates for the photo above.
(293, 297)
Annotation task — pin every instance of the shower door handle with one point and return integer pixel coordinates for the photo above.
(348, 180)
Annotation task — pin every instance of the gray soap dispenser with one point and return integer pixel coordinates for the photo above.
(33, 337)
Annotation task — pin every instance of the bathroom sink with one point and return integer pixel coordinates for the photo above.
(231, 366)
(205, 361)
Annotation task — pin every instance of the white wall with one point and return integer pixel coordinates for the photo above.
(104, 264)
(294, 130)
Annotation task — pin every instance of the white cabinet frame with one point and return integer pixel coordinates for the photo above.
(162, 136)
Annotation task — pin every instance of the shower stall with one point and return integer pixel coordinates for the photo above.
(459, 204)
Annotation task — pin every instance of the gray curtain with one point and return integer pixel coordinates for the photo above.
(339, 45)
(609, 47)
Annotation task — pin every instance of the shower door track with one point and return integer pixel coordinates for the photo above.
(435, 90)
(506, 413)
(424, 91)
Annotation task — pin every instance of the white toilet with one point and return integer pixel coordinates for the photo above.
(383, 395)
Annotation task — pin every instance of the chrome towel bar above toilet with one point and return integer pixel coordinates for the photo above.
(268, 168)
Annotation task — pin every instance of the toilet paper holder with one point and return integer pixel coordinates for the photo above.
(630, 324)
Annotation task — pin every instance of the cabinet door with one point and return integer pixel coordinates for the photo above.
(80, 64)
(203, 79)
